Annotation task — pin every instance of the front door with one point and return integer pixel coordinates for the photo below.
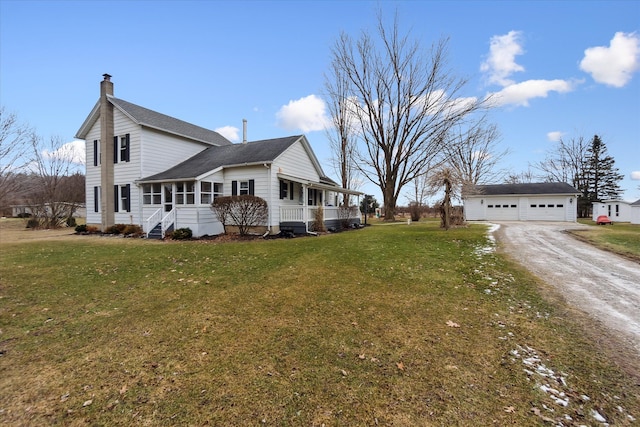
(168, 197)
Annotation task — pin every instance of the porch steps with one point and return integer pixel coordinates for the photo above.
(156, 232)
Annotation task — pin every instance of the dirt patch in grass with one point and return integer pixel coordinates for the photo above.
(14, 230)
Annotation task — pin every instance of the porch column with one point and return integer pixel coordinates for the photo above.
(305, 207)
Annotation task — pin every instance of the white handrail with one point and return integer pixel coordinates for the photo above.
(153, 220)
(167, 220)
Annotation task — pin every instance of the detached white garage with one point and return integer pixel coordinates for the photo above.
(544, 201)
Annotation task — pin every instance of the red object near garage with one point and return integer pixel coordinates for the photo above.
(603, 220)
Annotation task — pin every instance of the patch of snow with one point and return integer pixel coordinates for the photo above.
(598, 416)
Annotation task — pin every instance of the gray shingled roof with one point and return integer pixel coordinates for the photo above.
(264, 151)
(519, 189)
(636, 203)
(153, 119)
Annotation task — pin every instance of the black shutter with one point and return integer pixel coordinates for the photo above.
(127, 149)
(115, 149)
(234, 188)
(95, 153)
(291, 190)
(283, 187)
(128, 199)
(96, 199)
(115, 198)
(252, 187)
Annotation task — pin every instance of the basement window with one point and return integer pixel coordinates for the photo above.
(559, 205)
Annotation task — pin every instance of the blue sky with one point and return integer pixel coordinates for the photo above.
(563, 68)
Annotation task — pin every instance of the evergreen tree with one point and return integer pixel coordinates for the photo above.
(601, 176)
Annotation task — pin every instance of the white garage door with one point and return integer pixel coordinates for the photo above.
(502, 209)
(546, 210)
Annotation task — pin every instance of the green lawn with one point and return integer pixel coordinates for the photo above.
(390, 325)
(621, 238)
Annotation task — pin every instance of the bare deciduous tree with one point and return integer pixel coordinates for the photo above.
(342, 132)
(473, 154)
(15, 140)
(406, 101)
(53, 194)
(520, 178)
(566, 162)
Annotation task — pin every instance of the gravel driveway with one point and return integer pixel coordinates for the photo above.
(604, 285)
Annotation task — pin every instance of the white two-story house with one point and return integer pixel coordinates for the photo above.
(161, 173)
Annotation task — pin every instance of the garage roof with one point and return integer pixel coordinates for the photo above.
(537, 188)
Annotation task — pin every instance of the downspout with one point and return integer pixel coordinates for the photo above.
(269, 221)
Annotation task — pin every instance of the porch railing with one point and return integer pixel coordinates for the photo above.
(165, 221)
(153, 220)
(307, 213)
(168, 220)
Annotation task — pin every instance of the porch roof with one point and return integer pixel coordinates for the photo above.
(319, 185)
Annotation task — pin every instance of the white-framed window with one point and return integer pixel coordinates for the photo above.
(124, 148)
(186, 193)
(125, 198)
(243, 188)
(122, 198)
(209, 191)
(152, 194)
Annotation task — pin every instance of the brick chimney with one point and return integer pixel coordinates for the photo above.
(106, 153)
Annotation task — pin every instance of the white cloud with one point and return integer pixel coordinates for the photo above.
(229, 132)
(307, 114)
(613, 65)
(521, 93)
(500, 63)
(73, 152)
(554, 136)
(635, 175)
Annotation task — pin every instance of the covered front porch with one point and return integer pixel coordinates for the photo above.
(303, 203)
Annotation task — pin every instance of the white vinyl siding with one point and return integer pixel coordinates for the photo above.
(162, 151)
(92, 177)
(296, 162)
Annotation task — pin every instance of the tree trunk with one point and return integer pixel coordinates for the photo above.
(389, 204)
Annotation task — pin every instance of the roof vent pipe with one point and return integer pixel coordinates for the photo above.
(244, 131)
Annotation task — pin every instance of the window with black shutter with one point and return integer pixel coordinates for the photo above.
(243, 188)
(96, 199)
(125, 195)
(96, 152)
(124, 148)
